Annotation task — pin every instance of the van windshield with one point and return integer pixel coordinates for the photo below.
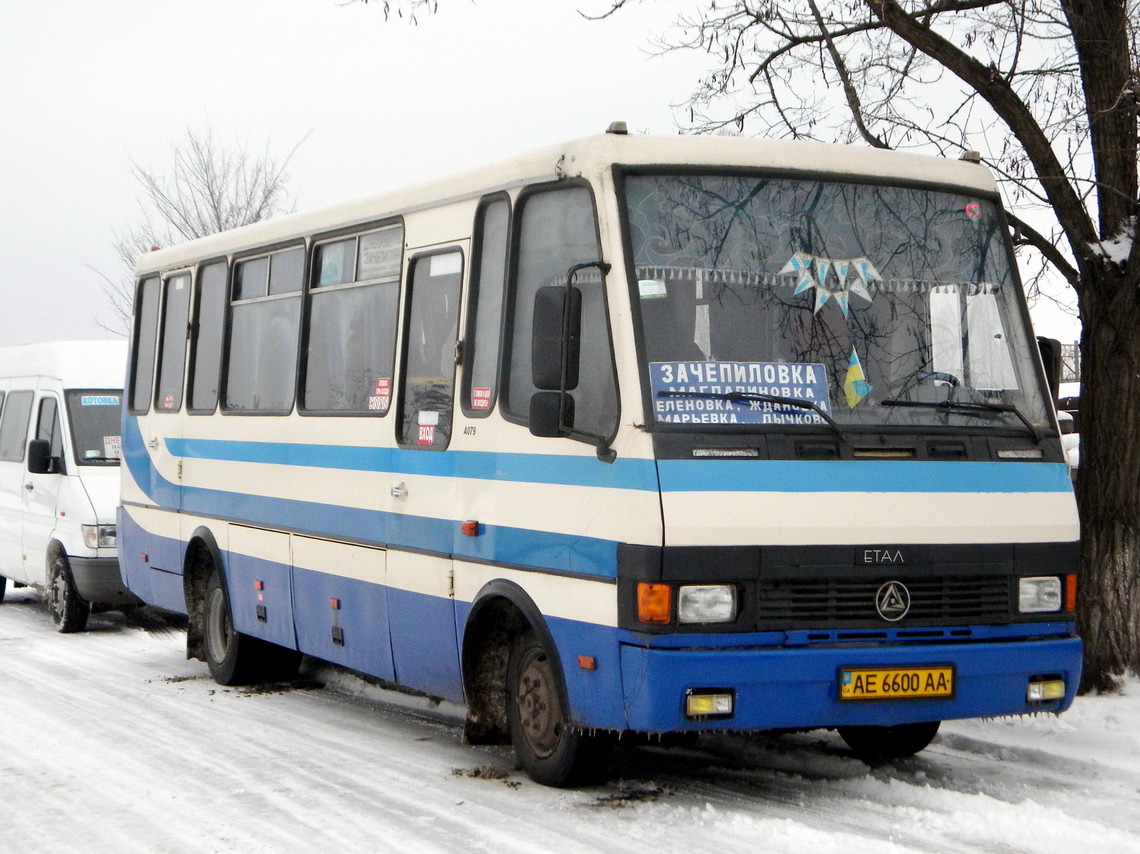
(95, 416)
(879, 305)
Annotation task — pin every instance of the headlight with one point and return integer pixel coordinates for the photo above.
(100, 536)
(706, 603)
(1038, 595)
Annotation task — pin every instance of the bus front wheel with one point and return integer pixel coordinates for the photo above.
(68, 610)
(874, 743)
(551, 751)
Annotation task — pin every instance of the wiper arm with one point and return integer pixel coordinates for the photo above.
(967, 407)
(752, 396)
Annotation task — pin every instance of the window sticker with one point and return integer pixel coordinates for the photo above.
(383, 395)
(480, 398)
(112, 448)
(716, 392)
(855, 386)
(99, 400)
(427, 421)
(829, 277)
(651, 289)
(380, 254)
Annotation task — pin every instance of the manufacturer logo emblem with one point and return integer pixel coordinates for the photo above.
(892, 601)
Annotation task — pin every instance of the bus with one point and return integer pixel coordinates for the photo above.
(625, 435)
(60, 416)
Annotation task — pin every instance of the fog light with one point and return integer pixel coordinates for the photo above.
(706, 603)
(1045, 690)
(1038, 595)
(708, 704)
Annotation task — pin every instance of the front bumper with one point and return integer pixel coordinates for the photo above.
(798, 688)
(99, 582)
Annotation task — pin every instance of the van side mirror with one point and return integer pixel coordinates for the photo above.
(40, 460)
(557, 320)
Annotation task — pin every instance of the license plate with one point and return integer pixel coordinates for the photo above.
(896, 683)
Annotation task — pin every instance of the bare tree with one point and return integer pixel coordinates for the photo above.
(206, 188)
(1049, 92)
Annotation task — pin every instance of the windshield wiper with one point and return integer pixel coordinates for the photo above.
(751, 396)
(967, 408)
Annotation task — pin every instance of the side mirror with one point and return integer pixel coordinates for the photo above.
(546, 416)
(40, 460)
(557, 322)
(1051, 359)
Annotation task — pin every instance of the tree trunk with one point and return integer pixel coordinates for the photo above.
(1109, 480)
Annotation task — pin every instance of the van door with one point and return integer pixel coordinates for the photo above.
(41, 491)
(13, 446)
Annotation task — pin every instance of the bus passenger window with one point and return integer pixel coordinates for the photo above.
(488, 280)
(427, 395)
(14, 425)
(351, 341)
(172, 346)
(265, 318)
(206, 345)
(146, 331)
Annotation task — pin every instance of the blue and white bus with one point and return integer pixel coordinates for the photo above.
(629, 434)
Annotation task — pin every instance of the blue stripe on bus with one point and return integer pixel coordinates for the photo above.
(861, 476)
(676, 475)
(481, 465)
(580, 555)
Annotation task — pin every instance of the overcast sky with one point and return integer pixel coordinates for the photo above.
(87, 87)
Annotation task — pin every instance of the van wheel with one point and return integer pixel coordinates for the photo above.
(68, 610)
(551, 751)
(234, 658)
(888, 742)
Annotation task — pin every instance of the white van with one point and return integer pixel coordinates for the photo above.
(59, 475)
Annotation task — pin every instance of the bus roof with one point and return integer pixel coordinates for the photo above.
(76, 364)
(585, 157)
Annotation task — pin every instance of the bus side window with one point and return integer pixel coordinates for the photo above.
(146, 332)
(172, 344)
(206, 343)
(556, 230)
(432, 324)
(14, 426)
(484, 321)
(48, 427)
(265, 316)
(351, 336)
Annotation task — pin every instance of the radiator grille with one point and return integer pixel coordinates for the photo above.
(939, 600)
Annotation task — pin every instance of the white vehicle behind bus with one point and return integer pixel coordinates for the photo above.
(59, 475)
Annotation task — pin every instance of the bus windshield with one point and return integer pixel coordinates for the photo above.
(95, 416)
(775, 301)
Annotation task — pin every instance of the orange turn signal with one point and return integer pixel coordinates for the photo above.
(1070, 593)
(654, 603)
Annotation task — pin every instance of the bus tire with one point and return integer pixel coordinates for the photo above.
(235, 658)
(68, 610)
(877, 743)
(551, 751)
(3, 587)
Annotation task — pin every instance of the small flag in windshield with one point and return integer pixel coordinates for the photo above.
(855, 387)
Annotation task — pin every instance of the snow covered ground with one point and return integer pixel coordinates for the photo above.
(111, 741)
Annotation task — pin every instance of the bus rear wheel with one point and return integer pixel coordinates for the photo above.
(234, 658)
(68, 610)
(551, 751)
(874, 743)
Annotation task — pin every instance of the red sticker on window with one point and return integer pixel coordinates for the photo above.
(480, 398)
